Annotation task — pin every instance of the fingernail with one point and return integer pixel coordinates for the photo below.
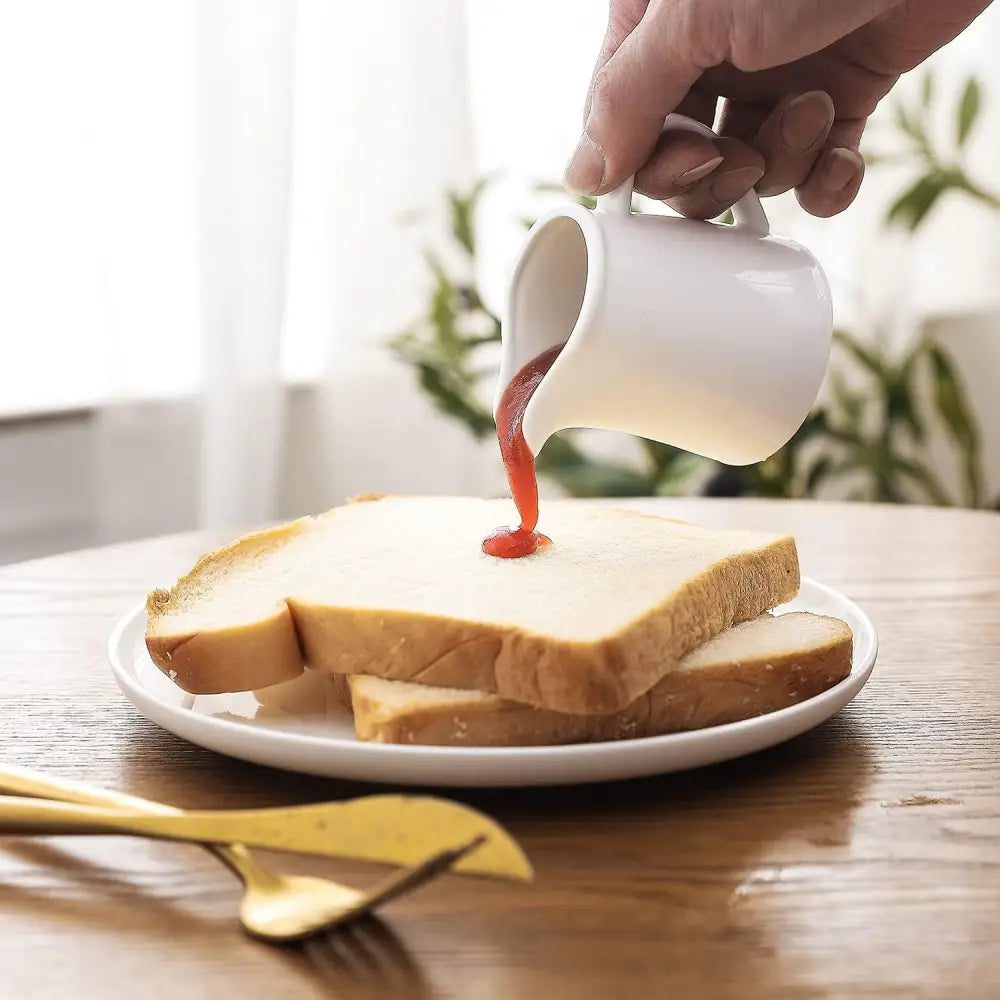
(695, 174)
(806, 121)
(841, 167)
(733, 184)
(586, 169)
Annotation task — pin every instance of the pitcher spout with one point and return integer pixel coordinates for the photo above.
(551, 291)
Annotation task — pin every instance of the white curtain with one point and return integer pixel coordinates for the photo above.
(320, 128)
(245, 74)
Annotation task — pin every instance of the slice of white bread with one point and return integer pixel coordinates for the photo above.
(750, 669)
(399, 588)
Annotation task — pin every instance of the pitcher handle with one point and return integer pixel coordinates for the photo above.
(748, 211)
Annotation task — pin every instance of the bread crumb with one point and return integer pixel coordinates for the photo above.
(172, 674)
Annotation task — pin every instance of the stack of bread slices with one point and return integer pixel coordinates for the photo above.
(628, 625)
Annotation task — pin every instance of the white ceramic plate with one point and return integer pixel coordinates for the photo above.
(325, 745)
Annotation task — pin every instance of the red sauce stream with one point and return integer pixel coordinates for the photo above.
(513, 543)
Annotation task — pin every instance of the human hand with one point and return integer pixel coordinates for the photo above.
(799, 79)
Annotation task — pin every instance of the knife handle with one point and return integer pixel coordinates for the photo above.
(23, 782)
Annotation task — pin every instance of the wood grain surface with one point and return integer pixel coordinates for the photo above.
(859, 860)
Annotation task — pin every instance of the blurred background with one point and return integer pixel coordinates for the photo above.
(253, 253)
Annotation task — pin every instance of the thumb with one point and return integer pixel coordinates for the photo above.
(632, 92)
(623, 16)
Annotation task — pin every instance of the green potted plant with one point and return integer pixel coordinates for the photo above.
(870, 435)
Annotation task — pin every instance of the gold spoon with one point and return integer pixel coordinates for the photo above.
(275, 907)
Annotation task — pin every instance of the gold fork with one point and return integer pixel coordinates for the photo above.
(275, 907)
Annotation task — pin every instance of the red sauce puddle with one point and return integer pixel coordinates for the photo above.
(513, 543)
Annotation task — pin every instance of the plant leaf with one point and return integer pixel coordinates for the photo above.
(900, 404)
(584, 476)
(661, 456)
(434, 263)
(907, 124)
(560, 452)
(682, 469)
(868, 357)
(952, 406)
(442, 318)
(816, 423)
(463, 209)
(580, 475)
(850, 403)
(453, 401)
(766, 479)
(968, 110)
(819, 471)
(461, 221)
(912, 206)
(853, 463)
(927, 89)
(922, 477)
(851, 437)
(672, 467)
(492, 337)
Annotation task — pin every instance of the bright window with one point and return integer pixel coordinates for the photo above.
(99, 290)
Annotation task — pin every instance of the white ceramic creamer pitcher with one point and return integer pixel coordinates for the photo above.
(708, 337)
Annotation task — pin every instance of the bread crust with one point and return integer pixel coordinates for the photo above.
(589, 678)
(238, 658)
(681, 700)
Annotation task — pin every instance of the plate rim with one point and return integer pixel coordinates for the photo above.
(123, 669)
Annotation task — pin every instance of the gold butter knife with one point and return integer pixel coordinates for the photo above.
(391, 829)
(275, 907)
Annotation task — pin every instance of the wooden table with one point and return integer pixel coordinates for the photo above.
(862, 859)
